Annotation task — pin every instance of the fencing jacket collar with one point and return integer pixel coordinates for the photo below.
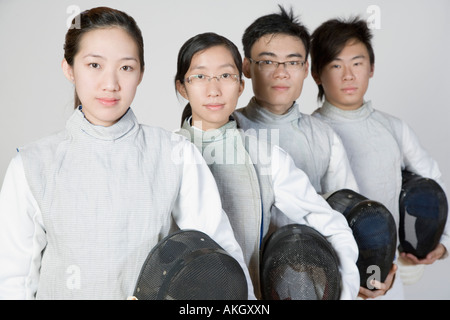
(125, 126)
(209, 136)
(259, 114)
(334, 113)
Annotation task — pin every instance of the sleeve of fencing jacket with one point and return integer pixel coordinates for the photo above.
(22, 236)
(199, 207)
(297, 199)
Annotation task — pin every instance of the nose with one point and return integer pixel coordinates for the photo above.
(213, 87)
(280, 71)
(348, 74)
(110, 81)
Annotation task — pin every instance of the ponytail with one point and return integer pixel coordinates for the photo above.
(187, 112)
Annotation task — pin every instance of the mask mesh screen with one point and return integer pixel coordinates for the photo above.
(423, 212)
(189, 265)
(376, 236)
(298, 263)
(374, 230)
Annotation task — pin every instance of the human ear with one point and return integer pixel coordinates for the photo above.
(68, 71)
(181, 88)
(306, 66)
(241, 86)
(141, 76)
(246, 68)
(372, 70)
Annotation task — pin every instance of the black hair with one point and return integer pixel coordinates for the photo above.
(328, 40)
(197, 44)
(277, 23)
(97, 18)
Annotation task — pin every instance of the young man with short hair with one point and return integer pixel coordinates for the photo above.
(379, 145)
(276, 48)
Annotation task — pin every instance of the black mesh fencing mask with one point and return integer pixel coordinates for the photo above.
(423, 212)
(189, 265)
(374, 230)
(298, 263)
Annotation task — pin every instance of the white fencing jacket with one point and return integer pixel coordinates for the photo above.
(379, 146)
(244, 184)
(314, 146)
(80, 210)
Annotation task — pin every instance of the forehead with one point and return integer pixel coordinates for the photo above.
(280, 45)
(214, 57)
(112, 41)
(353, 48)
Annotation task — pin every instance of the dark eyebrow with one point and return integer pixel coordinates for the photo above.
(295, 55)
(93, 55)
(226, 65)
(359, 57)
(271, 54)
(354, 58)
(129, 58)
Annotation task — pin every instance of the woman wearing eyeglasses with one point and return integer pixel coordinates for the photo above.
(252, 176)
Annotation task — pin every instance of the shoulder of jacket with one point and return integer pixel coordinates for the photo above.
(153, 132)
(395, 123)
(240, 114)
(240, 110)
(319, 125)
(387, 116)
(49, 142)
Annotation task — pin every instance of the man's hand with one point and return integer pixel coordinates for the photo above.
(381, 287)
(434, 255)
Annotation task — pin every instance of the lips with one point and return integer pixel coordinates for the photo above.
(214, 106)
(280, 88)
(349, 90)
(108, 101)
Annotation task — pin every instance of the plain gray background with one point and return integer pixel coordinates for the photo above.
(411, 79)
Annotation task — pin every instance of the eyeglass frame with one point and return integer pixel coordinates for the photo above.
(277, 63)
(209, 78)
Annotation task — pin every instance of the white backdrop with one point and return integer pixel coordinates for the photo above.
(412, 70)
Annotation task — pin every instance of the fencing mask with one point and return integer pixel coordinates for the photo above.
(374, 230)
(423, 212)
(298, 263)
(189, 265)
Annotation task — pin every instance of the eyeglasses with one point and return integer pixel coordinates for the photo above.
(201, 79)
(270, 66)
